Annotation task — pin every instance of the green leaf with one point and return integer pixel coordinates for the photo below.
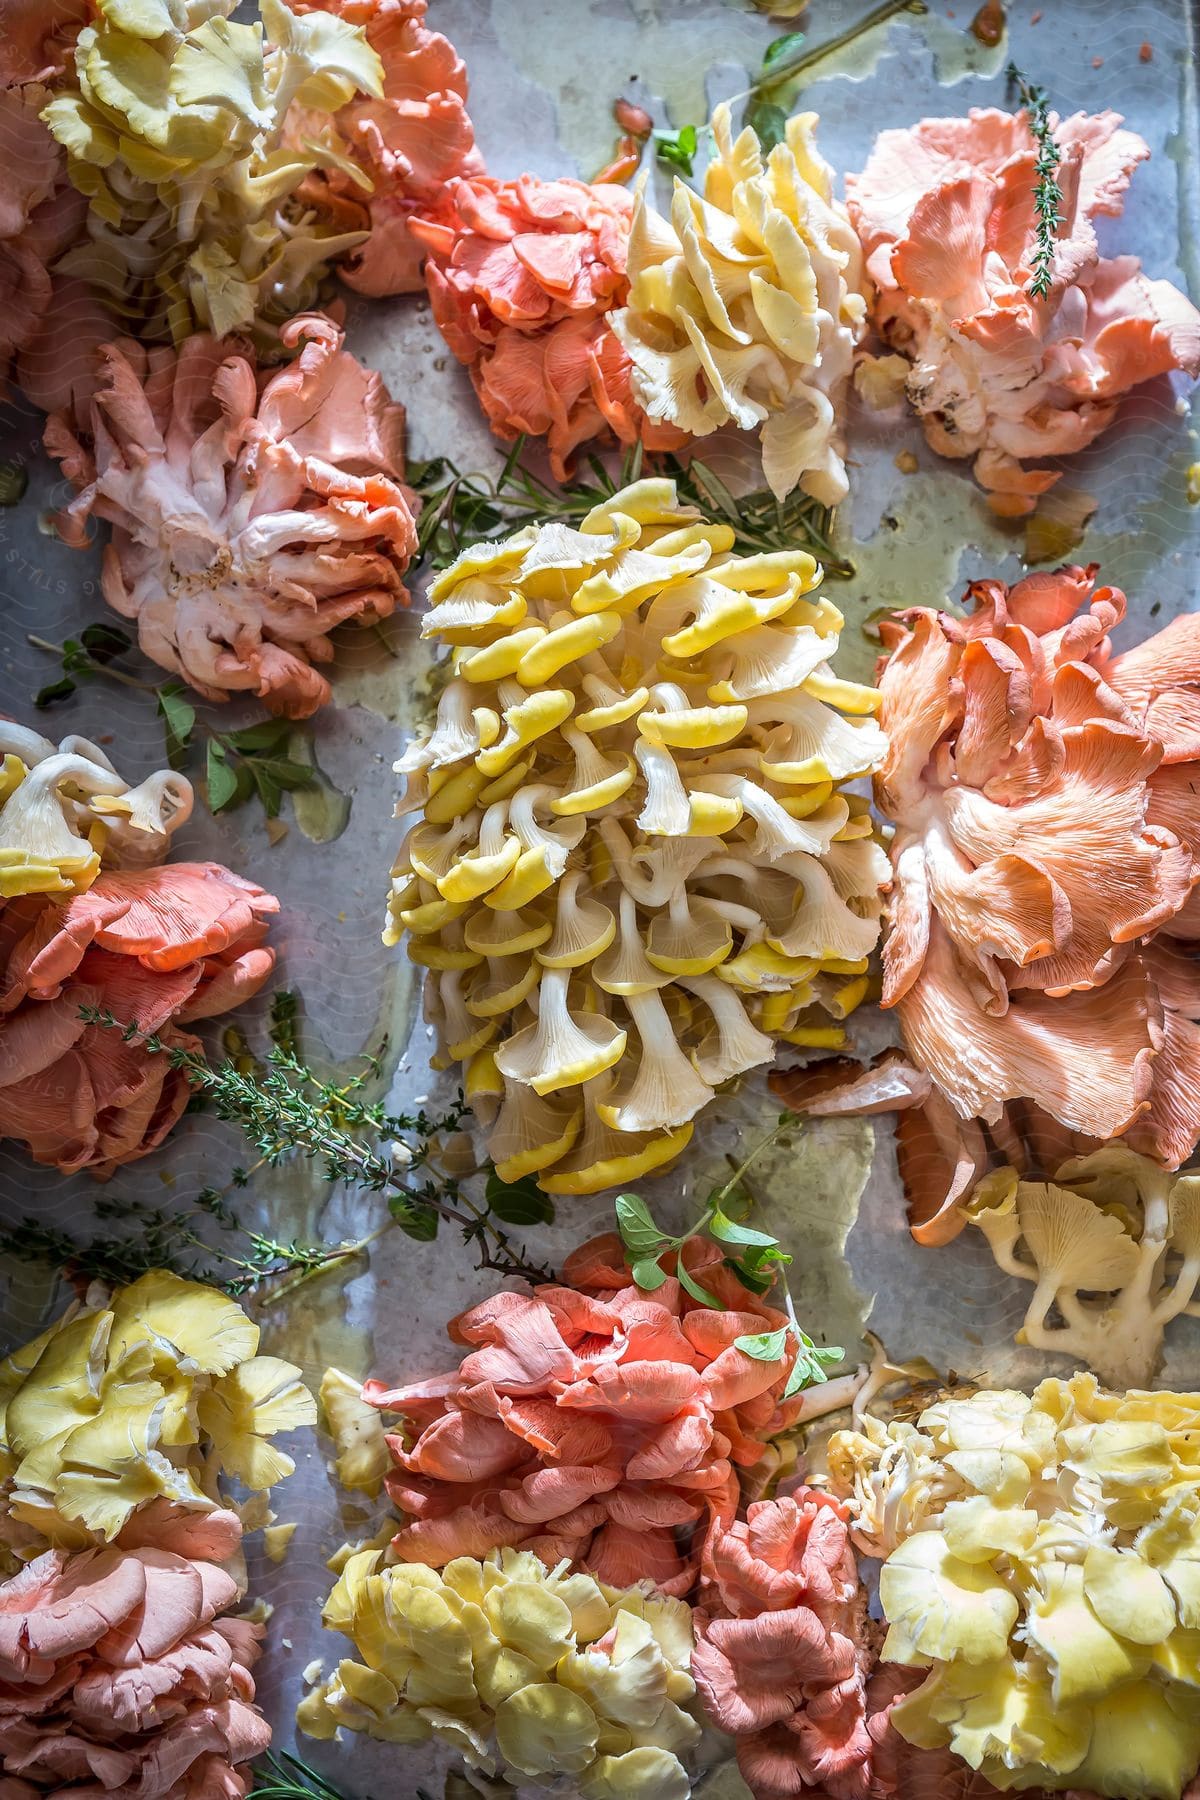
(677, 148)
(769, 122)
(695, 1290)
(763, 1346)
(266, 734)
(415, 1220)
(647, 1275)
(223, 784)
(54, 690)
(105, 641)
(518, 1202)
(14, 479)
(179, 718)
(727, 1231)
(781, 47)
(809, 1367)
(635, 1222)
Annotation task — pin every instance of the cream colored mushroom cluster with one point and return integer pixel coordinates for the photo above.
(633, 871)
(64, 809)
(530, 1673)
(1112, 1248)
(1043, 1563)
(148, 1398)
(745, 307)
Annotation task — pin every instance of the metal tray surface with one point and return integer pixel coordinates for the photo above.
(543, 76)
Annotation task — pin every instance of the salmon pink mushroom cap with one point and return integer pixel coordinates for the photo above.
(402, 147)
(945, 212)
(1041, 951)
(523, 276)
(589, 1421)
(251, 512)
(119, 1677)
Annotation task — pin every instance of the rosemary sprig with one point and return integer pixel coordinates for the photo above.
(461, 507)
(282, 1776)
(1047, 193)
(287, 1110)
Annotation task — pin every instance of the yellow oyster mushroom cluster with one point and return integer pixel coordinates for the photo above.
(190, 134)
(529, 1673)
(64, 810)
(633, 869)
(153, 1395)
(1043, 1563)
(745, 307)
(1112, 1249)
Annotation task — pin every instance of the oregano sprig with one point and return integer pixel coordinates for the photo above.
(1047, 195)
(755, 1257)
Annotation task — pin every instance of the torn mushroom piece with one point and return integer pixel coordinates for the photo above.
(90, 924)
(523, 277)
(251, 512)
(946, 215)
(1041, 1560)
(1041, 948)
(745, 307)
(528, 1671)
(117, 1423)
(634, 870)
(123, 1672)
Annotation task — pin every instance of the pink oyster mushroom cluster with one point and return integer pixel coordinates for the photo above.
(785, 1661)
(522, 276)
(120, 1677)
(1041, 951)
(159, 948)
(401, 149)
(589, 1420)
(945, 211)
(251, 511)
(48, 324)
(781, 1657)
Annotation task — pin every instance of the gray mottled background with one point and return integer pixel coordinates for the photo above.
(543, 77)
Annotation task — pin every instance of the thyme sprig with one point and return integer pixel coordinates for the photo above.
(461, 507)
(286, 1110)
(1047, 195)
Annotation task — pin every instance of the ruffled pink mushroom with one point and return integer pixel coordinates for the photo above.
(782, 1652)
(118, 1677)
(589, 1421)
(405, 146)
(1041, 949)
(945, 212)
(158, 948)
(522, 276)
(251, 511)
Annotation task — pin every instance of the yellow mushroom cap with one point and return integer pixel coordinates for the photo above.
(659, 805)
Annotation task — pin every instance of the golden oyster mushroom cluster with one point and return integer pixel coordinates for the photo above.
(1043, 1563)
(530, 1673)
(745, 307)
(633, 870)
(149, 1397)
(64, 805)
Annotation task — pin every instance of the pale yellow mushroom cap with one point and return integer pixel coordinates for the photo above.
(656, 818)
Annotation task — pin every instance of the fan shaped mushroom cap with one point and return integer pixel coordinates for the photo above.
(745, 307)
(656, 842)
